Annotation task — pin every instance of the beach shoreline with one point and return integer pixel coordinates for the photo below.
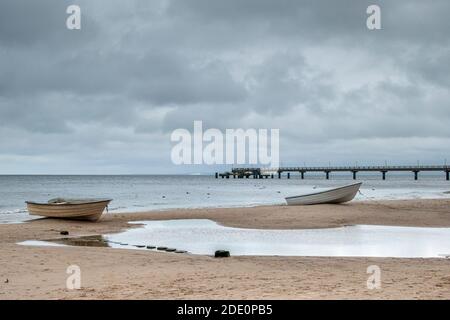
(40, 272)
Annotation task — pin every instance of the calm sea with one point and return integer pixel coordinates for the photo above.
(156, 192)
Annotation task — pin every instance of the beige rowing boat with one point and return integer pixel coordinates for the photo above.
(80, 209)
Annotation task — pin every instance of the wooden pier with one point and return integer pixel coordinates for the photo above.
(259, 173)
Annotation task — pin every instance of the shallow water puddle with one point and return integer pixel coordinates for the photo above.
(37, 243)
(204, 237)
(93, 241)
(200, 236)
(86, 241)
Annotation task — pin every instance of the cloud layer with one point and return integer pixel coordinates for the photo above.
(105, 99)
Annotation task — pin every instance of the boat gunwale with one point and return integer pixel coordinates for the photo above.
(324, 191)
(68, 204)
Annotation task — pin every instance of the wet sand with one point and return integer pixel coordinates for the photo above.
(40, 272)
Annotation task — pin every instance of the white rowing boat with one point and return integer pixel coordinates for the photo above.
(79, 209)
(336, 195)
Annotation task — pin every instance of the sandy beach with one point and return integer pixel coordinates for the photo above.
(28, 272)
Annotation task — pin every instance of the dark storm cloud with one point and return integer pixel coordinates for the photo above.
(138, 69)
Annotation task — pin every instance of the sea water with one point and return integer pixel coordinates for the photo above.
(157, 192)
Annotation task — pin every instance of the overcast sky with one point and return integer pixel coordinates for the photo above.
(105, 99)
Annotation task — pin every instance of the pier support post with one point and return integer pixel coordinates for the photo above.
(447, 175)
(327, 174)
(288, 175)
(416, 175)
(217, 175)
(354, 175)
(271, 175)
(279, 175)
(228, 176)
(384, 174)
(303, 174)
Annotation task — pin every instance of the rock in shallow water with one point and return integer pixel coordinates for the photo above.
(64, 233)
(221, 254)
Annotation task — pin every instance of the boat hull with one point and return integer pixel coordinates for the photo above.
(333, 196)
(81, 211)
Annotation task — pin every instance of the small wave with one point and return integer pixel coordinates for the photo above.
(116, 208)
(14, 211)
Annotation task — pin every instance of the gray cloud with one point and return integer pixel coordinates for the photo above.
(110, 94)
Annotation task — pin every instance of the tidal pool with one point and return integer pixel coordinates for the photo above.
(200, 236)
(37, 243)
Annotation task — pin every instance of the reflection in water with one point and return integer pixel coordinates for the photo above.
(94, 241)
(199, 236)
(86, 241)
